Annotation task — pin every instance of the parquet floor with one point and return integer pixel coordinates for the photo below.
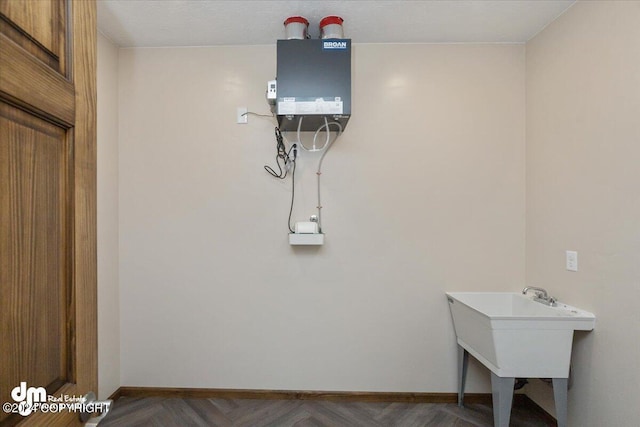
(170, 412)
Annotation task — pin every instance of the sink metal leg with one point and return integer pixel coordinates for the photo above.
(502, 393)
(560, 388)
(463, 361)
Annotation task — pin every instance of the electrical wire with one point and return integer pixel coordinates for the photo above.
(281, 154)
(289, 158)
(257, 114)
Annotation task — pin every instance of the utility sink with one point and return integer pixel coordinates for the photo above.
(516, 337)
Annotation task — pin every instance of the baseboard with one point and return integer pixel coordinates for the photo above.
(344, 396)
(116, 394)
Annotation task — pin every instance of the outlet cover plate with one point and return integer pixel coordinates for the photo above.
(242, 116)
(572, 260)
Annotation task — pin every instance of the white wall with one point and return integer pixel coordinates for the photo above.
(422, 194)
(583, 157)
(108, 287)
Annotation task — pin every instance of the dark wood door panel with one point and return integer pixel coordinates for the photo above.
(34, 252)
(30, 83)
(39, 27)
(47, 202)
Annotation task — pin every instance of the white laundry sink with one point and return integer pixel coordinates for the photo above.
(514, 336)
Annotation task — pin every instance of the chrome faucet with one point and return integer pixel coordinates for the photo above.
(541, 296)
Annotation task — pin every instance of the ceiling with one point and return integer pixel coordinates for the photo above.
(159, 23)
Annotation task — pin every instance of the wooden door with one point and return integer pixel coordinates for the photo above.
(47, 202)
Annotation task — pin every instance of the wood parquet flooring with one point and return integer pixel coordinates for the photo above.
(170, 412)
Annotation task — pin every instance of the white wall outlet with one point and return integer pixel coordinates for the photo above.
(242, 116)
(572, 260)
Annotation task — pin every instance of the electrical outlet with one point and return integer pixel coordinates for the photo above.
(572, 260)
(242, 116)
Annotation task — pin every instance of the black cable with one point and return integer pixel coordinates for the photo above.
(289, 163)
(293, 192)
(281, 153)
(278, 175)
(295, 152)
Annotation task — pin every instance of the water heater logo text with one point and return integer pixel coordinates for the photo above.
(334, 45)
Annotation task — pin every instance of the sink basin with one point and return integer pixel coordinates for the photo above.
(515, 336)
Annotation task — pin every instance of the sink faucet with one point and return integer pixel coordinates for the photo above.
(541, 296)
